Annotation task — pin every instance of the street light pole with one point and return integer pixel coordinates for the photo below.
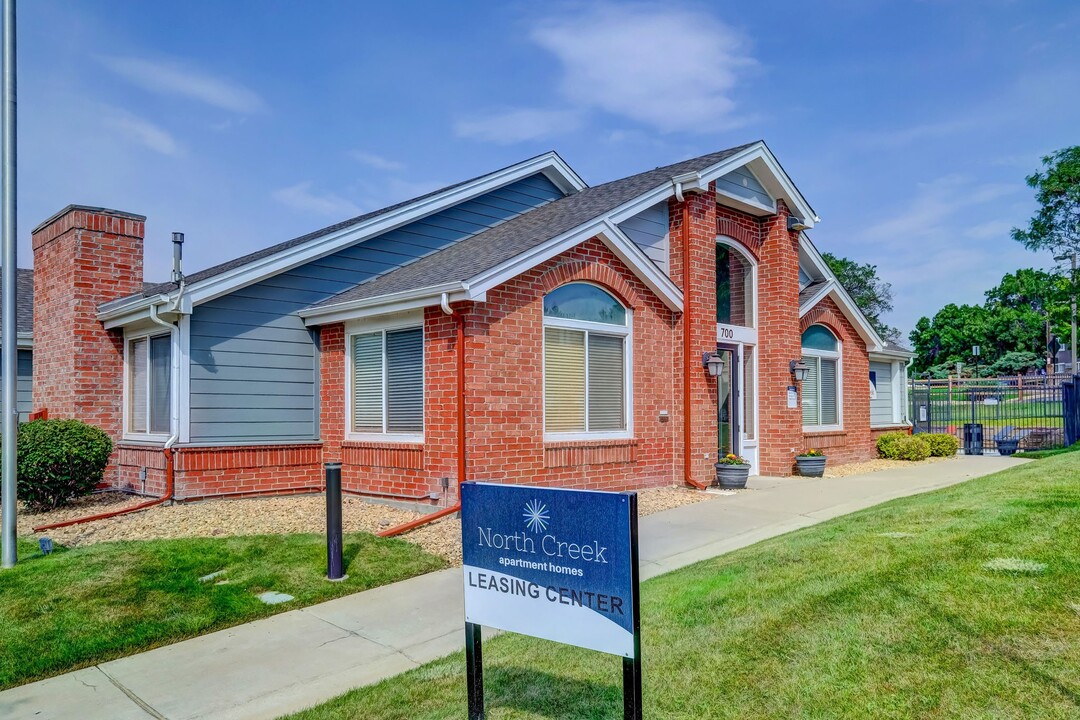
(8, 334)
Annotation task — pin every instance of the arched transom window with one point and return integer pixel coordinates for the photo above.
(821, 391)
(586, 363)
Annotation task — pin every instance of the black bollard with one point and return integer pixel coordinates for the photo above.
(334, 569)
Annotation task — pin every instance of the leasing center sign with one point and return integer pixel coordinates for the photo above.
(554, 564)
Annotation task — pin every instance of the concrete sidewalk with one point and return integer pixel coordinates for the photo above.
(303, 657)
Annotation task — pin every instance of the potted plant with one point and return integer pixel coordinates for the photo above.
(811, 463)
(732, 471)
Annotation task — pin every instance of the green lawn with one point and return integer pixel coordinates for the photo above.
(1050, 452)
(86, 605)
(888, 613)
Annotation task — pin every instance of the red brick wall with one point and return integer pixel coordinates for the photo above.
(696, 276)
(779, 342)
(855, 442)
(504, 394)
(247, 470)
(83, 257)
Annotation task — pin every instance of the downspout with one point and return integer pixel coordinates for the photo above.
(688, 472)
(907, 389)
(459, 322)
(167, 450)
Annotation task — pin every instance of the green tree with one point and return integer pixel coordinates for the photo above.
(948, 337)
(1056, 225)
(871, 294)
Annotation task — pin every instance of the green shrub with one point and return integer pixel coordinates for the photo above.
(901, 446)
(886, 443)
(60, 460)
(942, 444)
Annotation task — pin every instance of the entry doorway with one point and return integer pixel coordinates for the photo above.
(736, 406)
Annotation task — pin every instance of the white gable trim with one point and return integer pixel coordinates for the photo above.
(609, 233)
(550, 164)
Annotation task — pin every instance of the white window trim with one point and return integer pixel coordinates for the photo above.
(129, 339)
(404, 321)
(749, 257)
(626, 331)
(829, 355)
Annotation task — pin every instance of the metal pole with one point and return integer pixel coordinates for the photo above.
(1072, 304)
(334, 563)
(474, 671)
(9, 339)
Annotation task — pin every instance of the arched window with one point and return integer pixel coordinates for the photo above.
(821, 391)
(586, 363)
(735, 293)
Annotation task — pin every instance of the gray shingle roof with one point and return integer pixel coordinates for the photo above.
(890, 345)
(493, 247)
(159, 288)
(807, 293)
(24, 304)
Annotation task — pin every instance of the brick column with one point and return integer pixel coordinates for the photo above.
(779, 342)
(83, 256)
(696, 276)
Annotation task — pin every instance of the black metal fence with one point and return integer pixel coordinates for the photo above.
(1023, 412)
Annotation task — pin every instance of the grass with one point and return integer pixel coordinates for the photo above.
(887, 613)
(1049, 452)
(86, 605)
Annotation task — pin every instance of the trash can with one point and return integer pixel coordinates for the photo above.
(973, 439)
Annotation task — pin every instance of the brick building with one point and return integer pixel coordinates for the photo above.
(518, 327)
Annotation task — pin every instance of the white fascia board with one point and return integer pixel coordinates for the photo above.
(127, 314)
(394, 302)
(747, 206)
(816, 298)
(843, 300)
(609, 233)
(888, 355)
(769, 173)
(549, 163)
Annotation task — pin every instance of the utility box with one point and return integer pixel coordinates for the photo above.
(973, 439)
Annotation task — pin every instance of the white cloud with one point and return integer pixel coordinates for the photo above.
(670, 69)
(302, 197)
(674, 69)
(935, 204)
(141, 131)
(513, 126)
(899, 137)
(174, 78)
(990, 230)
(378, 162)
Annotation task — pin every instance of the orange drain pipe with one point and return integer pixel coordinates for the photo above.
(688, 471)
(459, 317)
(170, 484)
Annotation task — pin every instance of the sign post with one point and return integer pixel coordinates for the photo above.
(555, 564)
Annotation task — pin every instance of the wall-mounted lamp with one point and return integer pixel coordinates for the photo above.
(799, 370)
(713, 362)
(796, 224)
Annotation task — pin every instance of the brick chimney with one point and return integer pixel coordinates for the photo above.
(83, 256)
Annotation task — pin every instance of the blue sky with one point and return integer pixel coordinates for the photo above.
(908, 125)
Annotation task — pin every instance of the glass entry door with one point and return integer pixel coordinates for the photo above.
(727, 401)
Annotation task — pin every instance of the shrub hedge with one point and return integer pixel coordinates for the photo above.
(901, 446)
(942, 444)
(60, 460)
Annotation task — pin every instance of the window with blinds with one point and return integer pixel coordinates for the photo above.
(820, 390)
(585, 361)
(149, 408)
(388, 381)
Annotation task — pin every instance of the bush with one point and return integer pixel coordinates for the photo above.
(942, 444)
(901, 446)
(886, 443)
(60, 460)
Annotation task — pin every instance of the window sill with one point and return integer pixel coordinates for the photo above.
(386, 438)
(147, 439)
(823, 430)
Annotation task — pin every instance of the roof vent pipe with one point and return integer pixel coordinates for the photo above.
(177, 256)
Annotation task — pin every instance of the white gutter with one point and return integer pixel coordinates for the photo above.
(174, 380)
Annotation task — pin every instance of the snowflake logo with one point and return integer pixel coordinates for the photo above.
(536, 516)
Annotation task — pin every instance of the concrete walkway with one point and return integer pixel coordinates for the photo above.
(303, 657)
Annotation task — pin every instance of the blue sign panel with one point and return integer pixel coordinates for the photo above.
(551, 563)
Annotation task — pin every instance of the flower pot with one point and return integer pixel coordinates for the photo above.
(811, 466)
(731, 476)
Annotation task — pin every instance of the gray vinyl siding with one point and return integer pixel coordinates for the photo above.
(649, 231)
(742, 184)
(24, 374)
(881, 408)
(254, 365)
